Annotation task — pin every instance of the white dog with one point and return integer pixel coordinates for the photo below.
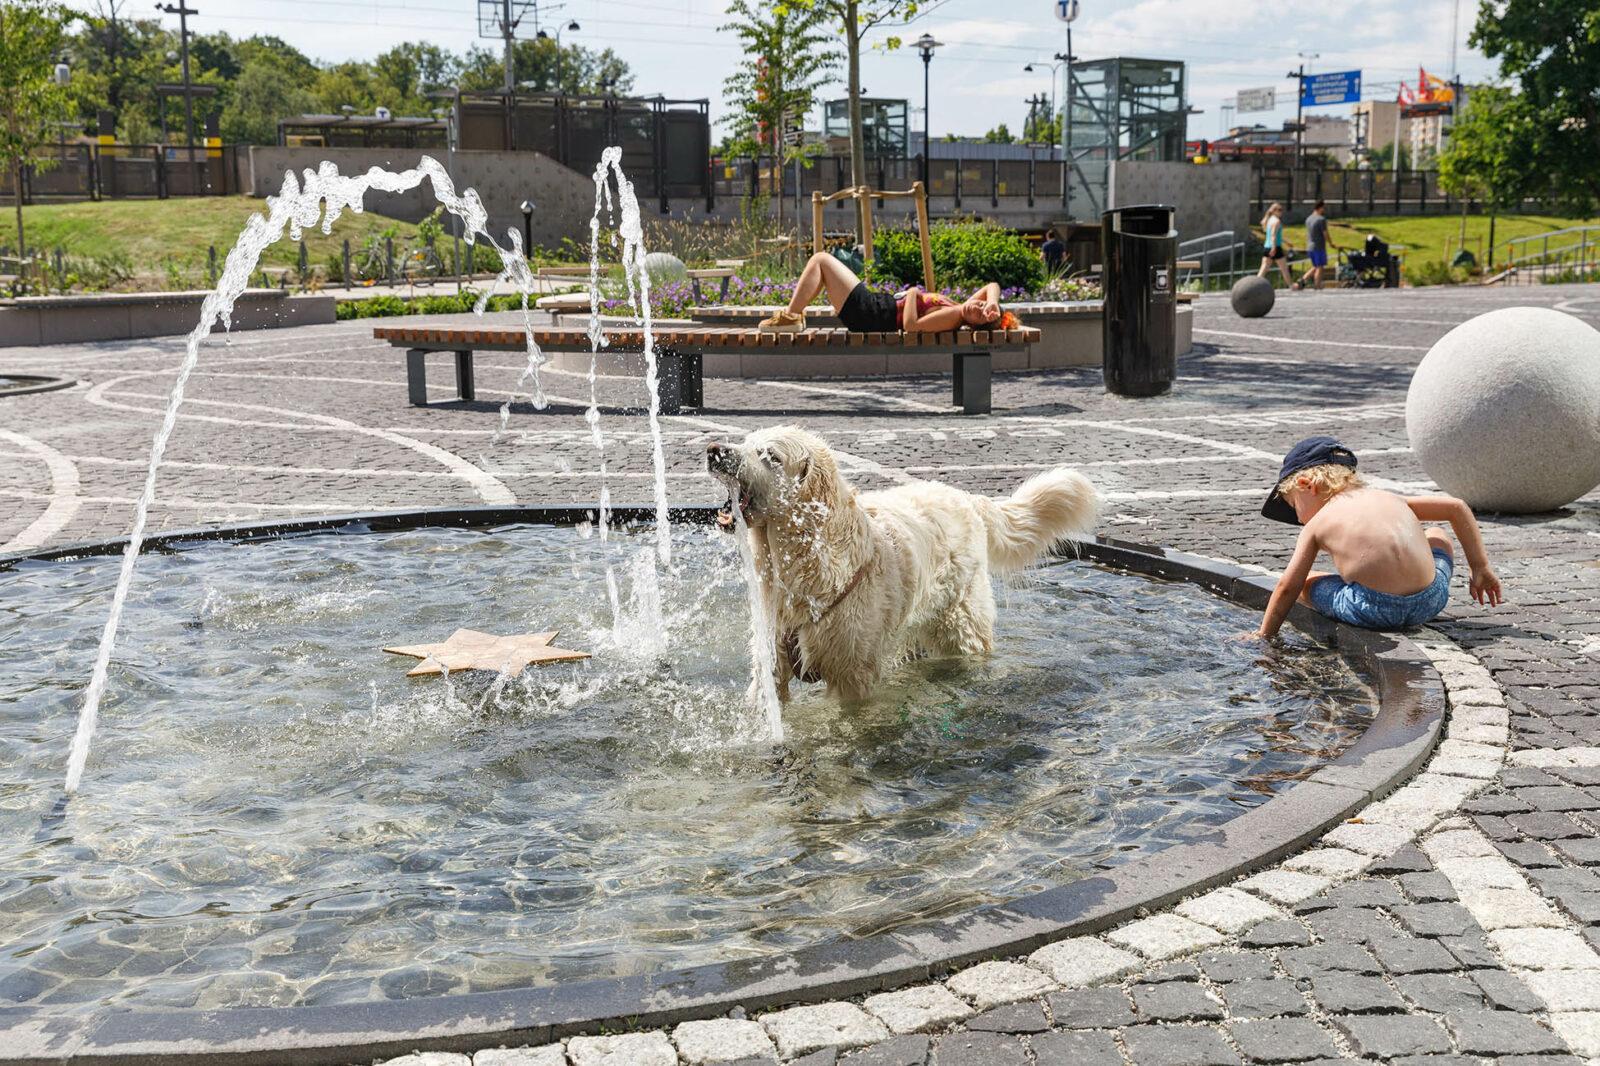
(858, 583)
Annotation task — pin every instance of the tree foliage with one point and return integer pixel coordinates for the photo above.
(789, 56)
(1490, 154)
(117, 62)
(32, 104)
(1550, 51)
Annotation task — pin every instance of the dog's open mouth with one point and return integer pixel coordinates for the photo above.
(725, 515)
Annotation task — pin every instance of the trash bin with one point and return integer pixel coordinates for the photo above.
(1139, 273)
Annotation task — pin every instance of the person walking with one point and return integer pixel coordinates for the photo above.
(1316, 246)
(1054, 250)
(1276, 251)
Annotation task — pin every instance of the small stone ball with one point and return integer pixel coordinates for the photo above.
(664, 268)
(1252, 296)
(1504, 411)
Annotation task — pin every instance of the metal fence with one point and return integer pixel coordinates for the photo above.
(969, 182)
(128, 171)
(1356, 192)
(1570, 254)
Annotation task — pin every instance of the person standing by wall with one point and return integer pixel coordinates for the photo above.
(1316, 247)
(1276, 251)
(1054, 251)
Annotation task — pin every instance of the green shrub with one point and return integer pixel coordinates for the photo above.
(1435, 272)
(965, 255)
(485, 260)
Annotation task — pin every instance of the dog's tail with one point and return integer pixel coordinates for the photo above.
(1045, 509)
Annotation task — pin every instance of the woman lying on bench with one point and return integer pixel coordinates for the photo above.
(861, 310)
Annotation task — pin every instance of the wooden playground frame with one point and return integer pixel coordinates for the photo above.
(864, 196)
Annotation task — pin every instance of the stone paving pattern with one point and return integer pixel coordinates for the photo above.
(1456, 922)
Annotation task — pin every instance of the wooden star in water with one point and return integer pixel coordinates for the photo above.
(468, 649)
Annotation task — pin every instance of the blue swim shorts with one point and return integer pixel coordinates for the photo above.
(1358, 605)
(1319, 257)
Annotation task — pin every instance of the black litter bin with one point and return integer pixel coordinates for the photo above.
(1139, 257)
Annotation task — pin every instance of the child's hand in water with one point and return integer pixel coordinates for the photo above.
(1485, 587)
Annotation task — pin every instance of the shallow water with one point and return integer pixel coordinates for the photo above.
(275, 814)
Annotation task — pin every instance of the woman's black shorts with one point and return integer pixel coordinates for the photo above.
(865, 311)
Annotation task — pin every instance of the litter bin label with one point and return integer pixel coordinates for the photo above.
(1160, 284)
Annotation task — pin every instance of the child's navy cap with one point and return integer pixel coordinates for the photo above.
(1313, 451)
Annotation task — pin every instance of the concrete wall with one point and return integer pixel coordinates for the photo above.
(563, 199)
(1209, 198)
(34, 320)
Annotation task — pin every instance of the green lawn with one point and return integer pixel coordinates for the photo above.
(152, 233)
(1425, 237)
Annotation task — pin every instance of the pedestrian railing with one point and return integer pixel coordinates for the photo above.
(1571, 253)
(1223, 257)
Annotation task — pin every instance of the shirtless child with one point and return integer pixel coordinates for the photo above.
(1391, 572)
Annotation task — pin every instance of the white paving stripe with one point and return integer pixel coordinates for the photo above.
(63, 496)
(1534, 940)
(1296, 340)
(488, 487)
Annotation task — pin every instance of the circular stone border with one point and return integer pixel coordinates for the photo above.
(34, 383)
(1411, 711)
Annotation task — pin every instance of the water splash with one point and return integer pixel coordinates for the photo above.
(763, 639)
(320, 196)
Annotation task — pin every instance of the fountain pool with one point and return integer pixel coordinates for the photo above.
(275, 815)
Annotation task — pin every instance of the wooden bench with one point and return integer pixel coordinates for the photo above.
(680, 352)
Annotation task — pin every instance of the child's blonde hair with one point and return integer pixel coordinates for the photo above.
(1329, 479)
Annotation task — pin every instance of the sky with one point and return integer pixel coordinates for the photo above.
(676, 47)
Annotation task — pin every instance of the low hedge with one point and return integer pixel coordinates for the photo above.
(965, 256)
(388, 305)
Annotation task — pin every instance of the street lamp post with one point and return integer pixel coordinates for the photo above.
(574, 27)
(925, 45)
(1054, 68)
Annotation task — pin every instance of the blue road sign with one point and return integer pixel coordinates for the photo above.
(1317, 90)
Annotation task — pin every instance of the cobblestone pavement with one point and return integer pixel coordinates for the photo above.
(1457, 922)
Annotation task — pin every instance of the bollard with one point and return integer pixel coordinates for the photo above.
(211, 265)
(388, 259)
(346, 276)
(305, 263)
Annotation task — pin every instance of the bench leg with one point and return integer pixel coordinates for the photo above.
(722, 296)
(693, 384)
(417, 376)
(694, 287)
(970, 373)
(464, 387)
(669, 382)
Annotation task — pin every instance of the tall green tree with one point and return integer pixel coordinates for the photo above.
(1550, 51)
(33, 36)
(541, 67)
(789, 57)
(262, 95)
(854, 19)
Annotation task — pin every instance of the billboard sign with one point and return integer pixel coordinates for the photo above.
(1320, 90)
(1250, 100)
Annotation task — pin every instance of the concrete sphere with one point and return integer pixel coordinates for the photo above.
(1252, 297)
(664, 268)
(1504, 411)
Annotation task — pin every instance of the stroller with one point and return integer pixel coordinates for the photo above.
(1371, 268)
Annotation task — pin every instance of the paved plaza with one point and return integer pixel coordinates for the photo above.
(1478, 942)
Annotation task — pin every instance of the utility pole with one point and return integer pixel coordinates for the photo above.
(508, 28)
(183, 11)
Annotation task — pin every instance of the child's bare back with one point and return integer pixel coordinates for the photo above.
(1374, 538)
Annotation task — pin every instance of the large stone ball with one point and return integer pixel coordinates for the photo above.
(1504, 411)
(663, 268)
(1252, 296)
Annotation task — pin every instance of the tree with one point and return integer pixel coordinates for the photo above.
(539, 67)
(855, 19)
(116, 63)
(789, 56)
(1042, 127)
(404, 75)
(1550, 49)
(263, 94)
(999, 135)
(1489, 154)
(33, 34)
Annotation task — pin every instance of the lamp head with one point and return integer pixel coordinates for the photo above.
(527, 207)
(573, 26)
